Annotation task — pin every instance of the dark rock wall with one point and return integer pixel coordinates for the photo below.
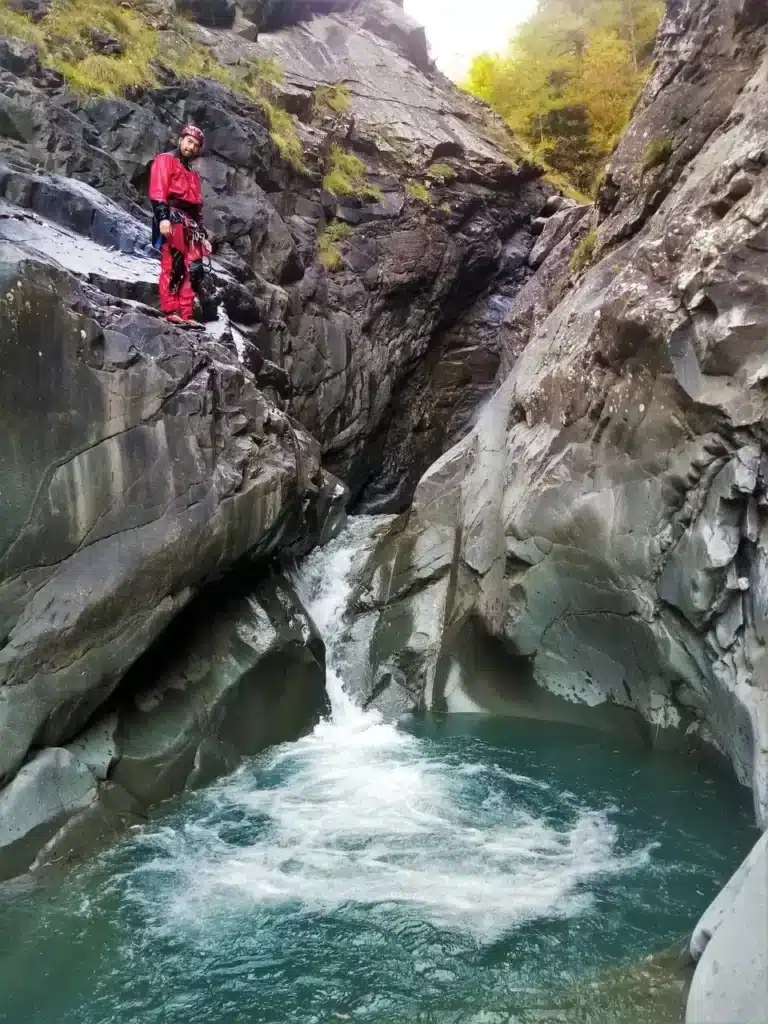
(142, 461)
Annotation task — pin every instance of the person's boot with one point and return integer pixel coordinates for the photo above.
(178, 321)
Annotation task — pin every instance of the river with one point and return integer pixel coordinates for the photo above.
(461, 870)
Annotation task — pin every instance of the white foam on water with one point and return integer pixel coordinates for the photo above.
(360, 812)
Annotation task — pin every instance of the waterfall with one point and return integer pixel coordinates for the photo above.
(324, 585)
(363, 812)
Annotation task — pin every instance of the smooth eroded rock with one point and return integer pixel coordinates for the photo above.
(730, 945)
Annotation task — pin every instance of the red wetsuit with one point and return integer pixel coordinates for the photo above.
(177, 195)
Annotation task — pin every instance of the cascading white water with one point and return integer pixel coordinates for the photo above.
(363, 812)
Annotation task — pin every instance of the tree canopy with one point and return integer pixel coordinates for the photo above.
(569, 78)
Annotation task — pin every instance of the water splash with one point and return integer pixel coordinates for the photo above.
(363, 813)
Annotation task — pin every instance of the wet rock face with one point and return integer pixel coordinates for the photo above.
(211, 13)
(144, 461)
(141, 460)
(252, 675)
(604, 521)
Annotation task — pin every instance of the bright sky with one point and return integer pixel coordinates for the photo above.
(458, 29)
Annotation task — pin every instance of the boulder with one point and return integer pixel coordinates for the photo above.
(47, 791)
(241, 669)
(253, 675)
(557, 228)
(388, 21)
(730, 947)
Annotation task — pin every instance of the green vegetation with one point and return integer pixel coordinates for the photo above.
(569, 79)
(327, 248)
(583, 253)
(657, 152)
(331, 98)
(419, 191)
(64, 39)
(347, 176)
(562, 184)
(441, 172)
(283, 131)
(13, 24)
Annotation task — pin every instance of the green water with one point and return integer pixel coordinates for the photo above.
(462, 870)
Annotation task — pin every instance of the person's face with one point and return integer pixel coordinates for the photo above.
(188, 147)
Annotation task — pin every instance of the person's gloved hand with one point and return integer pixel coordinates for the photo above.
(165, 228)
(207, 247)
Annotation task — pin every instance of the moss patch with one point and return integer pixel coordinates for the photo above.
(584, 252)
(348, 176)
(327, 248)
(657, 153)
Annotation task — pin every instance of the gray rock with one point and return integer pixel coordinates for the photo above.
(730, 945)
(241, 669)
(557, 228)
(704, 58)
(101, 822)
(237, 673)
(388, 21)
(145, 461)
(603, 522)
(450, 257)
(47, 791)
(96, 747)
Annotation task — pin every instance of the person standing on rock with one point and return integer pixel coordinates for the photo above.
(176, 194)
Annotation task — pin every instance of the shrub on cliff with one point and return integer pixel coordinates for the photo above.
(569, 78)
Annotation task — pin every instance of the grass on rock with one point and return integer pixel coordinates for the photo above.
(443, 173)
(348, 176)
(584, 253)
(327, 248)
(64, 39)
(418, 191)
(333, 98)
(657, 153)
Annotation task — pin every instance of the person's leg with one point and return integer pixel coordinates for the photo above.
(187, 292)
(169, 301)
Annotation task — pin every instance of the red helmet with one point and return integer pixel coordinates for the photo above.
(193, 133)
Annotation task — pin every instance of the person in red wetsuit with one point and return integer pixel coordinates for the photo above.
(177, 200)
